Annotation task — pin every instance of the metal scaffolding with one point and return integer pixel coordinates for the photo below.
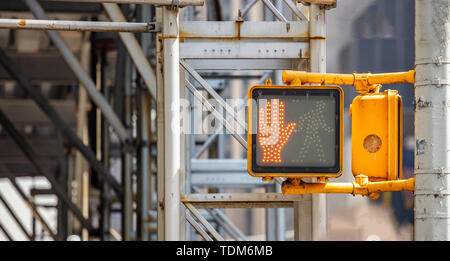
(174, 179)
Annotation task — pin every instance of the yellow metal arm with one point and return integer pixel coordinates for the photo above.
(361, 186)
(363, 82)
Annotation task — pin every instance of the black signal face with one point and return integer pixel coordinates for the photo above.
(295, 131)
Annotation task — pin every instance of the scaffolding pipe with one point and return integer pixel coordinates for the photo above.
(134, 50)
(172, 128)
(432, 121)
(80, 26)
(145, 187)
(180, 3)
(317, 43)
(82, 76)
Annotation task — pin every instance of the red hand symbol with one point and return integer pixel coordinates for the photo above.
(272, 134)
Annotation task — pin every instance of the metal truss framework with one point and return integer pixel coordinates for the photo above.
(185, 49)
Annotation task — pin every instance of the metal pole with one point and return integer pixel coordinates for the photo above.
(84, 78)
(15, 217)
(149, 2)
(318, 216)
(144, 164)
(11, 68)
(127, 158)
(160, 147)
(318, 64)
(172, 129)
(432, 118)
(80, 26)
(134, 49)
(144, 160)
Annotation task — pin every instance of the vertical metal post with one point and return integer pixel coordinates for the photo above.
(62, 178)
(318, 64)
(432, 120)
(144, 165)
(318, 217)
(172, 129)
(160, 130)
(145, 174)
(127, 159)
(81, 165)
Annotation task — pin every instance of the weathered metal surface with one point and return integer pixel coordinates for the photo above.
(243, 50)
(243, 30)
(432, 91)
(80, 26)
(242, 200)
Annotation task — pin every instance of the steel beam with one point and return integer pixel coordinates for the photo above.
(29, 153)
(58, 121)
(242, 200)
(172, 128)
(248, 30)
(84, 78)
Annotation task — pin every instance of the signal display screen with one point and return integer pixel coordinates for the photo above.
(296, 130)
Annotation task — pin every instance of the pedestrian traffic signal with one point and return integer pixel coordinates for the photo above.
(295, 131)
(377, 135)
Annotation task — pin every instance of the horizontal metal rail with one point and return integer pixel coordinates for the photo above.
(65, 25)
(241, 200)
(149, 2)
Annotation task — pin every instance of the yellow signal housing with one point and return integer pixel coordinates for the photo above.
(377, 135)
